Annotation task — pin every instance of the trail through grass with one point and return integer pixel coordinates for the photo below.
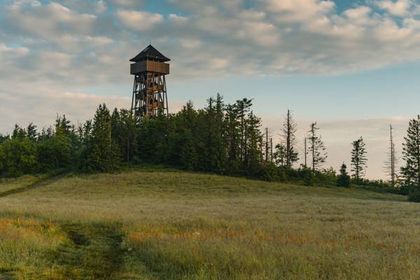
(165, 224)
(19, 186)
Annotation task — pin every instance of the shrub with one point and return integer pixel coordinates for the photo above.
(414, 196)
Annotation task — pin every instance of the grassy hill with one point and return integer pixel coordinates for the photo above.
(167, 224)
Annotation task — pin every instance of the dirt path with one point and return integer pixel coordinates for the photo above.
(40, 183)
(93, 253)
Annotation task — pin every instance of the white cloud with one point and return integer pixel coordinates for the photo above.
(101, 6)
(64, 48)
(298, 10)
(139, 20)
(127, 3)
(177, 19)
(5, 50)
(49, 21)
(396, 8)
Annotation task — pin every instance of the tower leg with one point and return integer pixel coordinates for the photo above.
(149, 95)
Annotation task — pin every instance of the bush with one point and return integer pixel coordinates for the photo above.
(414, 196)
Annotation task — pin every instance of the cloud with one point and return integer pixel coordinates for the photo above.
(138, 20)
(6, 51)
(45, 103)
(298, 10)
(101, 6)
(48, 20)
(338, 136)
(71, 52)
(275, 37)
(397, 8)
(127, 3)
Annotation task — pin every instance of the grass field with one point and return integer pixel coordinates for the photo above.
(166, 224)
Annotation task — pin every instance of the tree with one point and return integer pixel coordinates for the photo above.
(57, 149)
(186, 149)
(358, 159)
(18, 156)
(3, 138)
(102, 154)
(280, 155)
(390, 164)
(31, 132)
(124, 133)
(289, 139)
(243, 108)
(316, 148)
(305, 150)
(209, 132)
(254, 141)
(343, 180)
(411, 154)
(232, 138)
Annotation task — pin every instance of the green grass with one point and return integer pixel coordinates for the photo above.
(10, 184)
(166, 224)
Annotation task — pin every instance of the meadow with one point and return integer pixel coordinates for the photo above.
(149, 223)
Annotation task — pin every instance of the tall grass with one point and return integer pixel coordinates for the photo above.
(154, 224)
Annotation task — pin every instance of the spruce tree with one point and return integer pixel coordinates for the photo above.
(102, 153)
(358, 159)
(411, 154)
(280, 155)
(31, 132)
(124, 133)
(210, 136)
(232, 138)
(316, 148)
(343, 180)
(254, 141)
(289, 139)
(243, 107)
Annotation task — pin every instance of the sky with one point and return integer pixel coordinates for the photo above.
(351, 66)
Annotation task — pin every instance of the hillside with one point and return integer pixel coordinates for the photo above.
(166, 224)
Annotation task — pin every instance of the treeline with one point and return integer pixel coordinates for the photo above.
(220, 138)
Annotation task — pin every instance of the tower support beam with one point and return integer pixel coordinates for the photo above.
(150, 97)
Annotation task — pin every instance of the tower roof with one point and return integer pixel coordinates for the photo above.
(150, 53)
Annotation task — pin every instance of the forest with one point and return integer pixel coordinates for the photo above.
(221, 138)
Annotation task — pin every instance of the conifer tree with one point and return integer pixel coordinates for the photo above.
(232, 138)
(18, 154)
(210, 133)
(102, 154)
(280, 155)
(187, 144)
(124, 133)
(316, 148)
(56, 149)
(358, 159)
(254, 141)
(289, 140)
(411, 154)
(243, 107)
(343, 179)
(31, 132)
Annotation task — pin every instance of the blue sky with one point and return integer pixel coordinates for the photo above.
(353, 66)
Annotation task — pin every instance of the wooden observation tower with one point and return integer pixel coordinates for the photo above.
(149, 89)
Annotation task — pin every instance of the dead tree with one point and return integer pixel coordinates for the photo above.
(390, 164)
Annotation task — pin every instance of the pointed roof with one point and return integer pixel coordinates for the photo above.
(150, 53)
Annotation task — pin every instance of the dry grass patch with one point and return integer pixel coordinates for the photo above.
(148, 224)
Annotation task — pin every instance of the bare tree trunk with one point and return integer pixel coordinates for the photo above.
(271, 149)
(392, 156)
(306, 153)
(266, 145)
